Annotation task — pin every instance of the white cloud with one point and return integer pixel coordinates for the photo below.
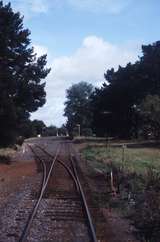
(39, 6)
(31, 7)
(40, 49)
(107, 6)
(88, 63)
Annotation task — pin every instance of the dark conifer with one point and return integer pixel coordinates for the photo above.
(21, 73)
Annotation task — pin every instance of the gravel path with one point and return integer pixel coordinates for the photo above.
(16, 208)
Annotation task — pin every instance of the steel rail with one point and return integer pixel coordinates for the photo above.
(93, 233)
(76, 179)
(62, 163)
(34, 211)
(43, 164)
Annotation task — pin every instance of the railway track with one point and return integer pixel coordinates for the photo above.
(60, 213)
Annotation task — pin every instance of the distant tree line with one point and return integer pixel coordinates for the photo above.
(127, 105)
(38, 127)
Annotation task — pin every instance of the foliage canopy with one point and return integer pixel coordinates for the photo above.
(21, 75)
(77, 106)
(123, 91)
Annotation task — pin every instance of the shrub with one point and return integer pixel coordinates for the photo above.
(5, 159)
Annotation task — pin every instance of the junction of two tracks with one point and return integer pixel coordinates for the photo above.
(57, 210)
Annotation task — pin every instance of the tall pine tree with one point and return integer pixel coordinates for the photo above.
(21, 73)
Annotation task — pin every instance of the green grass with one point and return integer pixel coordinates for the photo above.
(135, 159)
(134, 181)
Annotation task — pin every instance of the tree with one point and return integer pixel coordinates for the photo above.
(150, 68)
(50, 131)
(124, 90)
(77, 107)
(32, 128)
(38, 126)
(146, 213)
(62, 131)
(113, 102)
(21, 74)
(150, 112)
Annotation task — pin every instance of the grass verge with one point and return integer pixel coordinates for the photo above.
(137, 182)
(130, 159)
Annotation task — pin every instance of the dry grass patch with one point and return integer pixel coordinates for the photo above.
(131, 159)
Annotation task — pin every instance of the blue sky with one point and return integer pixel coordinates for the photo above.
(83, 38)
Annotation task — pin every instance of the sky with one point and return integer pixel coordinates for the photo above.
(84, 38)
